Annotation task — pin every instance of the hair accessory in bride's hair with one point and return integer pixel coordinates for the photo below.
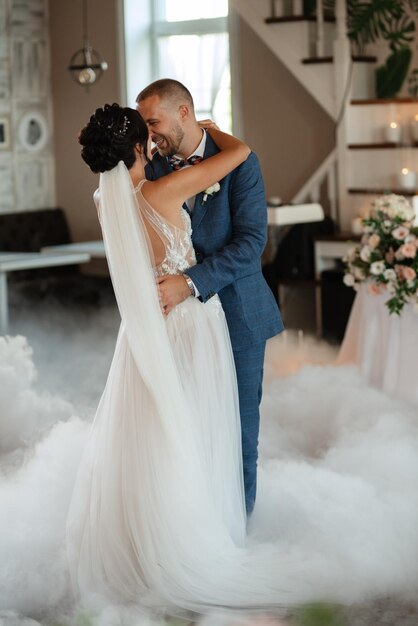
(125, 125)
(116, 131)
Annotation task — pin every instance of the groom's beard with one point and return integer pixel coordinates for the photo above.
(169, 144)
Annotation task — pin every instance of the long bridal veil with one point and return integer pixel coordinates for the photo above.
(157, 517)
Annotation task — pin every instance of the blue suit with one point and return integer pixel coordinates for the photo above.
(229, 236)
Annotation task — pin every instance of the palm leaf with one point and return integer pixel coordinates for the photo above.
(399, 32)
(368, 21)
(390, 77)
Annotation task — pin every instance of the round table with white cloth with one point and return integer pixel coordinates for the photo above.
(383, 346)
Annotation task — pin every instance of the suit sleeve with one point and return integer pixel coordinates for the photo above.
(247, 203)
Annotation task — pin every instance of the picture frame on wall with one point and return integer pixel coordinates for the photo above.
(33, 131)
(4, 133)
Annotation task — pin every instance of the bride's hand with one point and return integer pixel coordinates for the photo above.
(207, 124)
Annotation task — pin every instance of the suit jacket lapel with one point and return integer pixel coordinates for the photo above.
(160, 167)
(200, 208)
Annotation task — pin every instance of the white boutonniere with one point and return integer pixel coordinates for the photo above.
(210, 191)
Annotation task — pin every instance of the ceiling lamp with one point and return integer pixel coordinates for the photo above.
(86, 65)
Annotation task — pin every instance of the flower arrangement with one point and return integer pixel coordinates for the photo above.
(210, 191)
(387, 258)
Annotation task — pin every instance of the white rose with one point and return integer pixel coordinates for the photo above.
(387, 226)
(212, 189)
(377, 268)
(365, 253)
(390, 287)
(389, 274)
(406, 213)
(349, 280)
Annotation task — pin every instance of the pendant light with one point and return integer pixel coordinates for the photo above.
(86, 65)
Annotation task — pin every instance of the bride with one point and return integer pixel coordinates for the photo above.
(158, 514)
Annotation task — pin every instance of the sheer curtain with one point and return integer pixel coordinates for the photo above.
(202, 63)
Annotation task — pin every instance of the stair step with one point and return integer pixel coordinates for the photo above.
(380, 146)
(382, 191)
(297, 18)
(330, 59)
(384, 101)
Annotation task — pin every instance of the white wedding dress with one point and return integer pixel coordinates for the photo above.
(158, 515)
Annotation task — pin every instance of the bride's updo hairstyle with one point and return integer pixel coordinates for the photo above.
(111, 135)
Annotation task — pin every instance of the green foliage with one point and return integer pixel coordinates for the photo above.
(390, 77)
(390, 20)
(387, 258)
(379, 19)
(319, 615)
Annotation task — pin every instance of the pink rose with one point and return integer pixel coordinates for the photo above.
(409, 250)
(408, 272)
(374, 240)
(373, 289)
(401, 232)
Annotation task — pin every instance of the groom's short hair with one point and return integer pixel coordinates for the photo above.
(167, 89)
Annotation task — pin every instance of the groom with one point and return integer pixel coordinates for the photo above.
(229, 234)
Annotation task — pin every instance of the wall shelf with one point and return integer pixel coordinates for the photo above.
(330, 59)
(297, 18)
(385, 101)
(382, 191)
(381, 146)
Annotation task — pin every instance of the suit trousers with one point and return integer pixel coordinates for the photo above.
(249, 364)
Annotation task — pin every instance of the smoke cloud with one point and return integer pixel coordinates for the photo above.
(338, 472)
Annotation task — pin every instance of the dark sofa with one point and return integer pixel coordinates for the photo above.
(30, 231)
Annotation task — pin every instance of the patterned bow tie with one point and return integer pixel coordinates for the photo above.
(177, 163)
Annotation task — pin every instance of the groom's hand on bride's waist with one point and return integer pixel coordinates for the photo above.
(172, 290)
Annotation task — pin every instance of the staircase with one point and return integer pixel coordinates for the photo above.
(369, 155)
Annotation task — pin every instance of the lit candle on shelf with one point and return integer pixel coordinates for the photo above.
(407, 179)
(393, 132)
(415, 128)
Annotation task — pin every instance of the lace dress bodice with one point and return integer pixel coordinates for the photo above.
(179, 252)
(177, 240)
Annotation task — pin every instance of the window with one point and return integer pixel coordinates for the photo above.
(190, 43)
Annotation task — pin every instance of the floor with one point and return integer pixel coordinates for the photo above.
(59, 373)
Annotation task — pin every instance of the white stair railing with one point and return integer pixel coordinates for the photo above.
(281, 8)
(277, 8)
(254, 13)
(342, 82)
(320, 38)
(311, 190)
